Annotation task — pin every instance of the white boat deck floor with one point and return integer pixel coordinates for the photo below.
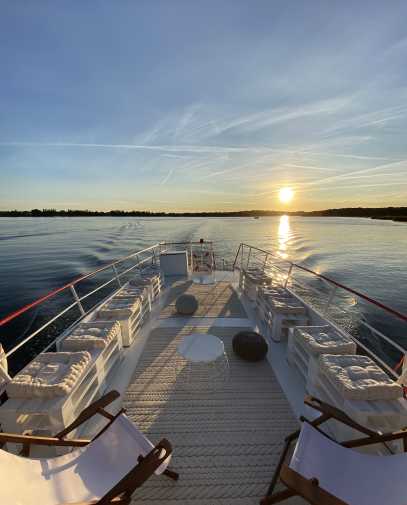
(226, 440)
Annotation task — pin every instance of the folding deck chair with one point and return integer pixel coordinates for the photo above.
(105, 470)
(326, 472)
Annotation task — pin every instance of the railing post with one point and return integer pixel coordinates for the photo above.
(248, 258)
(191, 258)
(288, 275)
(331, 297)
(236, 257)
(265, 261)
(117, 276)
(77, 300)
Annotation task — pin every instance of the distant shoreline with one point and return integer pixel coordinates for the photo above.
(385, 213)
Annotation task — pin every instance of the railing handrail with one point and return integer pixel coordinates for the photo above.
(381, 305)
(13, 315)
(51, 294)
(196, 242)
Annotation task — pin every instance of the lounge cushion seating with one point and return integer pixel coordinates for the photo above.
(145, 280)
(324, 340)
(132, 291)
(119, 308)
(89, 336)
(287, 306)
(49, 375)
(186, 304)
(275, 292)
(250, 346)
(359, 378)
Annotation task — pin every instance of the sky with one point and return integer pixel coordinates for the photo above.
(183, 105)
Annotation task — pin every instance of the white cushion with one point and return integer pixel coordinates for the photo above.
(144, 280)
(88, 336)
(132, 291)
(49, 375)
(359, 378)
(324, 340)
(287, 306)
(119, 308)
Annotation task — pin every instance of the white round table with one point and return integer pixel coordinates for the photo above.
(206, 359)
(201, 347)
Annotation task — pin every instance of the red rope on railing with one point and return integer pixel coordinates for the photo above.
(357, 293)
(399, 364)
(394, 312)
(49, 295)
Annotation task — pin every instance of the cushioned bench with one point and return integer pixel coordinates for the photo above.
(309, 342)
(128, 311)
(279, 310)
(251, 280)
(355, 384)
(50, 392)
(92, 335)
(49, 375)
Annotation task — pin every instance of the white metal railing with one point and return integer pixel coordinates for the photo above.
(200, 253)
(309, 286)
(201, 256)
(119, 269)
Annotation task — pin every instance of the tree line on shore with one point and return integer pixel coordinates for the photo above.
(379, 213)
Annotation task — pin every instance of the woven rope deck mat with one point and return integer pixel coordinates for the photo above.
(214, 300)
(226, 441)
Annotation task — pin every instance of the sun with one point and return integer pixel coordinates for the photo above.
(286, 195)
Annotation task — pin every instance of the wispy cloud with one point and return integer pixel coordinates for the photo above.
(194, 149)
(377, 118)
(167, 177)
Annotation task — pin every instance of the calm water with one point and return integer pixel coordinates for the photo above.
(39, 254)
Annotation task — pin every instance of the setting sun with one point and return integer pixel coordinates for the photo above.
(286, 195)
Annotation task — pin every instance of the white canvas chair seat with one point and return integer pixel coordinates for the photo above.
(354, 477)
(85, 474)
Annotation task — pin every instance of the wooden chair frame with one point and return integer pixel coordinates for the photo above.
(309, 489)
(143, 469)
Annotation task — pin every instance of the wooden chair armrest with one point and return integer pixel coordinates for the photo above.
(334, 413)
(96, 407)
(139, 473)
(120, 500)
(38, 440)
(309, 489)
(377, 438)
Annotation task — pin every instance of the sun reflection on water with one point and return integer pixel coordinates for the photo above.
(284, 234)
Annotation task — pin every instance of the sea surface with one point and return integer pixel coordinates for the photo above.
(39, 254)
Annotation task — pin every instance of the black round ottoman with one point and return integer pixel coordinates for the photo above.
(186, 304)
(250, 346)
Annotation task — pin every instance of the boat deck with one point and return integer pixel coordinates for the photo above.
(227, 439)
(215, 300)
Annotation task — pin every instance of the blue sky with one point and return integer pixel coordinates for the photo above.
(190, 105)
